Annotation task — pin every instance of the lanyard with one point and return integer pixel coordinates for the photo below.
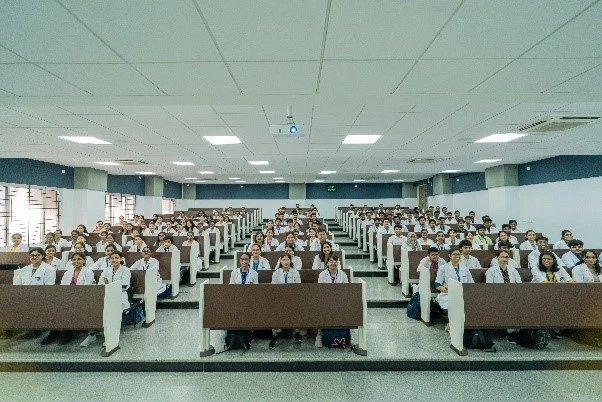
(334, 278)
(255, 265)
(286, 277)
(458, 273)
(243, 277)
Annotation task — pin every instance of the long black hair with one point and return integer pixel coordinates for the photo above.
(555, 267)
(597, 266)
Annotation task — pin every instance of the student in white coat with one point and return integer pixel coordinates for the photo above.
(137, 244)
(333, 274)
(530, 243)
(51, 260)
(432, 261)
(147, 262)
(295, 260)
(257, 261)
(542, 245)
(321, 260)
(573, 257)
(270, 243)
(36, 273)
(563, 244)
(243, 275)
(116, 271)
(467, 260)
(284, 275)
(111, 240)
(470, 237)
(590, 270)
(104, 262)
(502, 271)
(549, 271)
(453, 269)
(452, 239)
(312, 242)
(397, 239)
(78, 274)
(17, 245)
(167, 246)
(424, 238)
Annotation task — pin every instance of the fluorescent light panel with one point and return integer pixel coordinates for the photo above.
(145, 173)
(233, 178)
(259, 163)
(328, 172)
(488, 161)
(278, 178)
(240, 181)
(201, 181)
(318, 181)
(222, 139)
(451, 171)
(183, 163)
(500, 138)
(361, 139)
(108, 163)
(398, 180)
(279, 181)
(390, 171)
(206, 172)
(190, 178)
(267, 171)
(85, 140)
(358, 180)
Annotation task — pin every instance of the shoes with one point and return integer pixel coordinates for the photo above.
(318, 343)
(51, 337)
(557, 334)
(273, 342)
(86, 342)
(511, 338)
(298, 337)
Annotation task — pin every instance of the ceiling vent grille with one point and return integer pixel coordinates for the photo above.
(130, 162)
(550, 124)
(425, 160)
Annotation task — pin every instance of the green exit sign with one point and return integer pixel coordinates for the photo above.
(331, 189)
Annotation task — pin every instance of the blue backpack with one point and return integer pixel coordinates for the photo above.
(413, 307)
(336, 338)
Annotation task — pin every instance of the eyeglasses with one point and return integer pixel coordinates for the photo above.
(244, 259)
(35, 255)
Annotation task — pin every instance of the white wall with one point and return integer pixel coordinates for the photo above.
(80, 206)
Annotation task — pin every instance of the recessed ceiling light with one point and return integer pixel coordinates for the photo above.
(201, 181)
(145, 173)
(279, 181)
(361, 139)
(488, 161)
(390, 171)
(108, 163)
(327, 172)
(318, 181)
(206, 172)
(267, 171)
(259, 162)
(501, 137)
(359, 180)
(278, 178)
(222, 139)
(85, 140)
(398, 180)
(234, 178)
(451, 171)
(183, 163)
(240, 181)
(190, 178)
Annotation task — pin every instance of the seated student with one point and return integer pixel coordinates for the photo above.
(99, 227)
(424, 238)
(488, 225)
(386, 228)
(257, 239)
(111, 239)
(78, 274)
(295, 260)
(375, 227)
(440, 242)
(288, 228)
(530, 243)
(468, 224)
(312, 242)
(180, 231)
(589, 270)
(502, 271)
(299, 244)
(189, 226)
(104, 262)
(506, 246)
(270, 225)
(501, 238)
(167, 246)
(168, 229)
(285, 274)
(563, 243)
(74, 235)
(269, 242)
(100, 246)
(189, 240)
(138, 244)
(432, 227)
(289, 242)
(257, 261)
(470, 237)
(412, 243)
(461, 229)
(147, 262)
(160, 239)
(211, 229)
(482, 239)
(514, 226)
(243, 275)
(79, 248)
(48, 240)
(322, 237)
(467, 260)
(421, 225)
(50, 259)
(441, 226)
(82, 240)
(333, 273)
(321, 260)
(17, 244)
(82, 231)
(59, 241)
(573, 257)
(107, 227)
(432, 261)
(542, 245)
(508, 229)
(36, 273)
(548, 270)
(453, 269)
(452, 240)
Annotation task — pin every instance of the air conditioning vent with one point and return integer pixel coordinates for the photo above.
(425, 160)
(131, 162)
(555, 123)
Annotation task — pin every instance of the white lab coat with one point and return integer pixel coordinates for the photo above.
(326, 277)
(282, 246)
(147, 232)
(470, 262)
(560, 245)
(318, 264)
(164, 249)
(136, 249)
(271, 245)
(444, 274)
(86, 277)
(539, 276)
(44, 275)
(263, 247)
(124, 275)
(581, 273)
(511, 263)
(263, 263)
(570, 259)
(314, 245)
(427, 242)
(426, 263)
(56, 263)
(279, 276)
(21, 248)
(533, 259)
(63, 243)
(102, 263)
(494, 275)
(455, 243)
(87, 247)
(142, 265)
(397, 241)
(528, 246)
(236, 277)
(382, 230)
(295, 263)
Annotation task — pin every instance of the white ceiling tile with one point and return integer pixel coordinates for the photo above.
(500, 29)
(589, 82)
(105, 79)
(449, 76)
(250, 109)
(190, 78)
(29, 80)
(5, 94)
(366, 30)
(244, 120)
(276, 78)
(535, 75)
(268, 29)
(89, 109)
(211, 130)
(366, 77)
(9, 57)
(45, 32)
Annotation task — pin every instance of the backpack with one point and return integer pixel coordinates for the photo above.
(413, 307)
(478, 339)
(533, 338)
(237, 340)
(336, 338)
(132, 316)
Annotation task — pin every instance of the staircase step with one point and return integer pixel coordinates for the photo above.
(369, 274)
(207, 274)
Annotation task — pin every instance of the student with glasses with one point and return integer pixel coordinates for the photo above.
(147, 262)
(243, 275)
(36, 273)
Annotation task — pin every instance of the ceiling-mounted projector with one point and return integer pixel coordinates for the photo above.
(290, 129)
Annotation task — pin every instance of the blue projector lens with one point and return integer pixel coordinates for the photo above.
(292, 129)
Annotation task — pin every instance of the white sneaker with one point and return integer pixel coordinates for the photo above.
(86, 342)
(318, 343)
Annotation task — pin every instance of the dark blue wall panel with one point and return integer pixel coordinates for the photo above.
(559, 168)
(465, 183)
(241, 191)
(32, 172)
(375, 191)
(132, 185)
(171, 189)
